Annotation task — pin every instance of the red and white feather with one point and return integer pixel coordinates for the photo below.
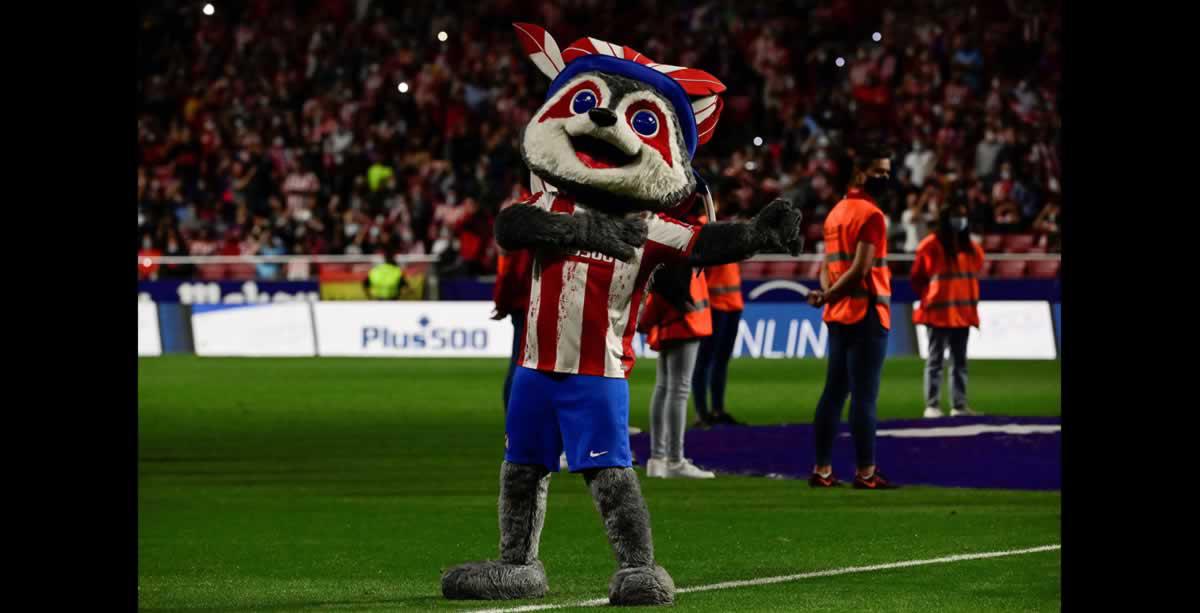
(708, 112)
(541, 48)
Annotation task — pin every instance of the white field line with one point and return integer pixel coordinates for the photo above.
(725, 585)
(955, 431)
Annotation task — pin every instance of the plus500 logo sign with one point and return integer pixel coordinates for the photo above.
(431, 338)
(410, 329)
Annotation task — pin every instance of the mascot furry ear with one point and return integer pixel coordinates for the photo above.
(610, 153)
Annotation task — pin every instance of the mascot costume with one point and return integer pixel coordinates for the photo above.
(610, 154)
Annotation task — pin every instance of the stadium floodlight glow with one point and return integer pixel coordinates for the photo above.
(209, 9)
(442, 36)
(877, 37)
(403, 87)
(751, 165)
(840, 62)
(758, 141)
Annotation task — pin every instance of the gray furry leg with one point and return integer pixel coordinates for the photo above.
(518, 573)
(638, 580)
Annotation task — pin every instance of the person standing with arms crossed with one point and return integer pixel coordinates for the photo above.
(945, 275)
(856, 293)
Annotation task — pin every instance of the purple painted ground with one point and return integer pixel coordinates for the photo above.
(1029, 461)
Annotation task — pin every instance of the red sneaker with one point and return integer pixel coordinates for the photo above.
(816, 480)
(876, 482)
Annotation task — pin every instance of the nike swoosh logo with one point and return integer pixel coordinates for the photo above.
(593, 454)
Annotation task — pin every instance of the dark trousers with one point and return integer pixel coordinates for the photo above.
(518, 324)
(712, 363)
(856, 353)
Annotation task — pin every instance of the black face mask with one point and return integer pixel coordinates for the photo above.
(877, 187)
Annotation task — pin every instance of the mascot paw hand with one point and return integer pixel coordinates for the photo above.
(779, 224)
(613, 236)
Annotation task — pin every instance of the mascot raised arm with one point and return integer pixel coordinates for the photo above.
(610, 152)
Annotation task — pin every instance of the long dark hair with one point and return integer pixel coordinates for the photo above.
(952, 240)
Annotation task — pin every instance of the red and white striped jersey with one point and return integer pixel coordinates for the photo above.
(583, 306)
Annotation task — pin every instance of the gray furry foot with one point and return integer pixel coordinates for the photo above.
(495, 580)
(641, 585)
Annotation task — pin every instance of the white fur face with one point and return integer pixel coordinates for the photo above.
(606, 134)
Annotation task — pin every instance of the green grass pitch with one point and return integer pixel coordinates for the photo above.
(350, 484)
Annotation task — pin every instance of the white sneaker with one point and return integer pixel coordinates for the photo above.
(656, 467)
(933, 412)
(562, 462)
(967, 412)
(635, 430)
(684, 469)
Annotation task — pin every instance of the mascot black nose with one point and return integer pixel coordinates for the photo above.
(602, 117)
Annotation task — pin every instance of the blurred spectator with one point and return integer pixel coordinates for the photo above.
(147, 267)
(1007, 216)
(915, 222)
(986, 153)
(1046, 224)
(301, 187)
(173, 246)
(919, 163)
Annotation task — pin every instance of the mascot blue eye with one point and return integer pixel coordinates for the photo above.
(645, 123)
(584, 101)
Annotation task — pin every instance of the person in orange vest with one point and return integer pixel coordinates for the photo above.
(712, 364)
(674, 331)
(945, 275)
(856, 292)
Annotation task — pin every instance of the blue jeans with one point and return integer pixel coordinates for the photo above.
(518, 324)
(856, 354)
(712, 363)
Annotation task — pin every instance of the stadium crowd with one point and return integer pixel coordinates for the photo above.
(334, 126)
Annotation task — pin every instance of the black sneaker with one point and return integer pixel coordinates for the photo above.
(704, 421)
(721, 417)
(815, 480)
(876, 482)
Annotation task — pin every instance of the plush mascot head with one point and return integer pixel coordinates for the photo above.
(617, 130)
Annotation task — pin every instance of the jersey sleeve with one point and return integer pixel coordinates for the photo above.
(669, 240)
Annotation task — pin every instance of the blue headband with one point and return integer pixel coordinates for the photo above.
(662, 83)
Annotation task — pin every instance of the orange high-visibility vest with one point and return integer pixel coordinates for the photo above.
(842, 228)
(663, 322)
(948, 287)
(725, 287)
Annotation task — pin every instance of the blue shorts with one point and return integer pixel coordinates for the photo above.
(585, 415)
